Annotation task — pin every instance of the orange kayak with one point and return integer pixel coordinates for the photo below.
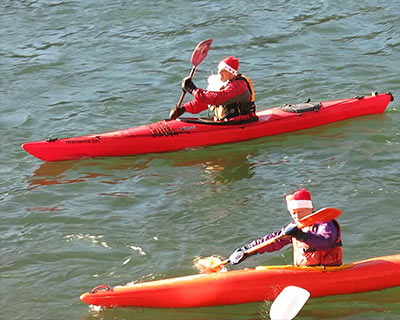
(250, 285)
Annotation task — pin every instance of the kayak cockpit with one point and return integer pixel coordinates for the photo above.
(211, 121)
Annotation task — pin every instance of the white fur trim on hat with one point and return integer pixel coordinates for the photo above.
(223, 66)
(297, 204)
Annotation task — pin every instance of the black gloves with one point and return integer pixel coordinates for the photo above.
(291, 230)
(176, 112)
(188, 85)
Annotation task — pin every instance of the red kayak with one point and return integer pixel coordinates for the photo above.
(173, 135)
(250, 285)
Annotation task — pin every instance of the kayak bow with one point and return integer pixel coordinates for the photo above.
(173, 135)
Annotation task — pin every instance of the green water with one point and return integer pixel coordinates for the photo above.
(70, 68)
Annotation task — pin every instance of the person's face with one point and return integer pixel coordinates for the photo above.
(300, 213)
(225, 75)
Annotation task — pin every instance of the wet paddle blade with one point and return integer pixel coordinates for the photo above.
(288, 303)
(200, 52)
(209, 264)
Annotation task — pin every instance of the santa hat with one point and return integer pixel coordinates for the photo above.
(299, 199)
(230, 64)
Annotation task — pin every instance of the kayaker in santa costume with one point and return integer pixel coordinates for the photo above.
(232, 100)
(318, 244)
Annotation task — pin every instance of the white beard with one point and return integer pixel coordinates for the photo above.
(215, 83)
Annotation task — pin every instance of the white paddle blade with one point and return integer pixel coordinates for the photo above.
(288, 303)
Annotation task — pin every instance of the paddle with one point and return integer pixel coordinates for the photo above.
(288, 303)
(198, 55)
(320, 216)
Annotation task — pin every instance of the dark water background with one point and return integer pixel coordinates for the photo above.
(76, 67)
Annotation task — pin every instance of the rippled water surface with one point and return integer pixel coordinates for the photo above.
(70, 68)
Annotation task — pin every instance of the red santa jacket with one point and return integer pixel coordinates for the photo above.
(238, 90)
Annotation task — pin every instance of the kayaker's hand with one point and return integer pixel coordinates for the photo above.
(238, 256)
(176, 112)
(188, 85)
(291, 230)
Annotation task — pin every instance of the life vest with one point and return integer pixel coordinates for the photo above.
(241, 106)
(304, 255)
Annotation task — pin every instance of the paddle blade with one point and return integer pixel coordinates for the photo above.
(209, 264)
(200, 52)
(320, 216)
(288, 303)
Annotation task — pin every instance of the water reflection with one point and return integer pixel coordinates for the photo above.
(50, 173)
(250, 311)
(222, 165)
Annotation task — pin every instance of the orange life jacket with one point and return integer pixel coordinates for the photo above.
(304, 255)
(243, 104)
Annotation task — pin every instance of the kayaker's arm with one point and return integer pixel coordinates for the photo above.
(322, 236)
(240, 254)
(233, 89)
(274, 246)
(194, 106)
